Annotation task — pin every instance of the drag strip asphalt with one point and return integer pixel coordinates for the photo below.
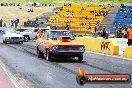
(33, 72)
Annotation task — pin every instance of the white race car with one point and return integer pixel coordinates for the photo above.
(12, 37)
(31, 34)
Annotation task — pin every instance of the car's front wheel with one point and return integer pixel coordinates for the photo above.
(80, 58)
(39, 53)
(48, 55)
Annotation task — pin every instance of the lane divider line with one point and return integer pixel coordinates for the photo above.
(13, 80)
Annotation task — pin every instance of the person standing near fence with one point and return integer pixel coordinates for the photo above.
(1, 22)
(39, 32)
(129, 35)
(95, 29)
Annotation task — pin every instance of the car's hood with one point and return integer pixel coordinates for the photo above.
(70, 43)
(47, 27)
(12, 35)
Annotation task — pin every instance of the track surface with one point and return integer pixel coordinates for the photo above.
(5, 81)
(33, 72)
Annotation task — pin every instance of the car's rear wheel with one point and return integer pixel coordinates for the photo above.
(39, 53)
(21, 42)
(3, 41)
(80, 58)
(48, 55)
(26, 38)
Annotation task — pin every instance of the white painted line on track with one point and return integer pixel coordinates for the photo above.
(114, 56)
(13, 80)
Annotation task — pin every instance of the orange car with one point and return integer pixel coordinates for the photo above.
(56, 43)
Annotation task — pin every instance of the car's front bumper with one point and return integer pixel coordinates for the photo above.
(66, 51)
(71, 53)
(14, 40)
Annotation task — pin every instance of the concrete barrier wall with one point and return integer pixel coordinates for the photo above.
(128, 52)
(107, 46)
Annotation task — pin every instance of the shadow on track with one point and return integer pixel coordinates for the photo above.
(65, 60)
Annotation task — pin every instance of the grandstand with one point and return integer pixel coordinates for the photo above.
(123, 18)
(82, 18)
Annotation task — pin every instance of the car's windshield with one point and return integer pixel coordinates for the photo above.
(2, 32)
(27, 30)
(9, 31)
(57, 34)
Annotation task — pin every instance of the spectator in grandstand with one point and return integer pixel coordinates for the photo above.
(95, 29)
(99, 12)
(68, 10)
(115, 26)
(4, 25)
(67, 16)
(56, 12)
(86, 18)
(119, 27)
(49, 5)
(64, 4)
(92, 11)
(67, 25)
(61, 9)
(1, 4)
(82, 8)
(88, 26)
(72, 16)
(129, 35)
(12, 23)
(122, 5)
(45, 4)
(83, 24)
(6, 4)
(106, 12)
(130, 10)
(30, 10)
(72, 11)
(104, 6)
(18, 4)
(124, 32)
(58, 20)
(104, 33)
(69, 4)
(16, 23)
(127, 17)
(17, 20)
(118, 33)
(81, 18)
